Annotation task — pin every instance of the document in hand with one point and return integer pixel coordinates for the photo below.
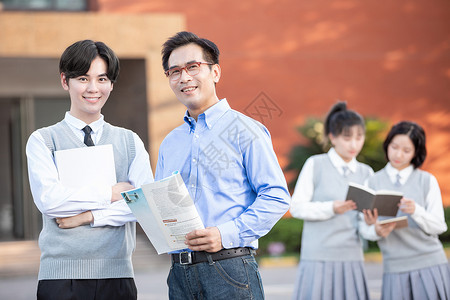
(400, 222)
(165, 211)
(386, 202)
(85, 166)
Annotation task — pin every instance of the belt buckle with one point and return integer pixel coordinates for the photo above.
(185, 258)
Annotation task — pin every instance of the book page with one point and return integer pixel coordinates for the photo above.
(80, 167)
(400, 221)
(165, 211)
(388, 192)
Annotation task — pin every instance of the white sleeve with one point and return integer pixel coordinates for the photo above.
(431, 217)
(50, 196)
(301, 205)
(367, 231)
(140, 172)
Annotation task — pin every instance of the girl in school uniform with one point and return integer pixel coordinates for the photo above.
(414, 262)
(331, 260)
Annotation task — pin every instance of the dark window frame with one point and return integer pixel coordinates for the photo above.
(51, 5)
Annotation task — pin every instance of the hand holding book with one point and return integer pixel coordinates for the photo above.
(340, 207)
(407, 206)
(370, 216)
(385, 226)
(386, 202)
(384, 230)
(399, 222)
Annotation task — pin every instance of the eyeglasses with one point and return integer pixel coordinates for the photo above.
(191, 68)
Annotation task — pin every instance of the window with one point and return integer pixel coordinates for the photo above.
(59, 5)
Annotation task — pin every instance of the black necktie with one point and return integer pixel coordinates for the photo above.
(87, 136)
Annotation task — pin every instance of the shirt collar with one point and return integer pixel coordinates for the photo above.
(190, 121)
(78, 124)
(404, 174)
(211, 115)
(338, 162)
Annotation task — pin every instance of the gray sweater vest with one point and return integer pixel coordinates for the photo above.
(335, 239)
(408, 248)
(86, 252)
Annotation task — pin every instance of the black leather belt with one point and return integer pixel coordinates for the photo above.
(190, 258)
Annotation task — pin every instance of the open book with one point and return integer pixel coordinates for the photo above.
(386, 202)
(399, 221)
(165, 211)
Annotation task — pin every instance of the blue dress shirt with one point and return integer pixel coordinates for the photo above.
(228, 164)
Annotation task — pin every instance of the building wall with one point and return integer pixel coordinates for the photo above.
(391, 61)
(31, 95)
(132, 36)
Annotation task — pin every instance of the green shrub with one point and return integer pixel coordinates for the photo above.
(445, 237)
(287, 231)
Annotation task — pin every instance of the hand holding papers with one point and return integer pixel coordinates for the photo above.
(165, 211)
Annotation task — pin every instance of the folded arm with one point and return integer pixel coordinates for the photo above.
(104, 203)
(51, 197)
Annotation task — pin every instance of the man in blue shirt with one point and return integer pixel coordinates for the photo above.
(228, 164)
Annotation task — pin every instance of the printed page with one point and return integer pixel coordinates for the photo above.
(165, 211)
(138, 204)
(80, 167)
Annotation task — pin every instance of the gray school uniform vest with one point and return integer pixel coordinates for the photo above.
(85, 252)
(408, 248)
(335, 239)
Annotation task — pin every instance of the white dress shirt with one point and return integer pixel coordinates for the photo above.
(55, 200)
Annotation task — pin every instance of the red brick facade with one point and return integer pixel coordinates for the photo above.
(389, 59)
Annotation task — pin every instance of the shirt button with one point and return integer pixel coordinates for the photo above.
(196, 136)
(194, 160)
(231, 243)
(193, 185)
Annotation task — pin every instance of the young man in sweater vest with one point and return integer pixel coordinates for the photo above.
(88, 234)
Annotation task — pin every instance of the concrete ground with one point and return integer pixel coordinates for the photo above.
(19, 263)
(278, 283)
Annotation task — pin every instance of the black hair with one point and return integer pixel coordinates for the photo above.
(417, 137)
(210, 51)
(340, 119)
(77, 58)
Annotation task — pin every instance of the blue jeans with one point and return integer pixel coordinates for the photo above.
(233, 278)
